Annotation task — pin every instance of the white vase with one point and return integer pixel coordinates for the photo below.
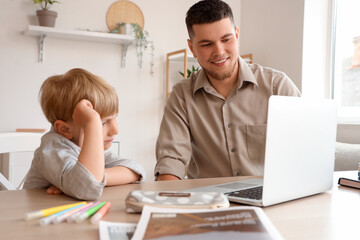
(126, 29)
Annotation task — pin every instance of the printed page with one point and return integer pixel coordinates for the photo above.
(231, 223)
(116, 231)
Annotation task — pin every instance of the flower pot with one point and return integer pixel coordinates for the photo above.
(46, 18)
(126, 29)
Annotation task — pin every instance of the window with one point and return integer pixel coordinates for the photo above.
(346, 59)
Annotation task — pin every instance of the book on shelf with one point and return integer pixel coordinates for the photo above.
(223, 223)
(348, 182)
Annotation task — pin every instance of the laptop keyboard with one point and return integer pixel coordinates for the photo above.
(251, 193)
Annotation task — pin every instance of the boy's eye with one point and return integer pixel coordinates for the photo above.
(103, 123)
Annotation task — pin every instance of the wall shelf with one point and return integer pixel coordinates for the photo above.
(43, 32)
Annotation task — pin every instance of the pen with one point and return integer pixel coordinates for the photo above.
(49, 211)
(62, 217)
(46, 220)
(89, 212)
(88, 206)
(100, 214)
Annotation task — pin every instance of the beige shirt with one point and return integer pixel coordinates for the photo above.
(221, 137)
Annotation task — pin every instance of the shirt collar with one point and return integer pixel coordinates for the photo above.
(199, 81)
(245, 75)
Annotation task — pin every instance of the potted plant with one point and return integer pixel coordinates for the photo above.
(189, 72)
(45, 16)
(141, 41)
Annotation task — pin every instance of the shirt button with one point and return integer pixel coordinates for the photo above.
(233, 150)
(229, 125)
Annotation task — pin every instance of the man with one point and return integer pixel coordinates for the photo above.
(216, 119)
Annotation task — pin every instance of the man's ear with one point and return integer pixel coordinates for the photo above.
(63, 128)
(191, 48)
(237, 32)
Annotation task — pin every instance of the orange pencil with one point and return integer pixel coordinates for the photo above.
(100, 214)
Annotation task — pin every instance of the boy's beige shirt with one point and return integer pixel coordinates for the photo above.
(221, 137)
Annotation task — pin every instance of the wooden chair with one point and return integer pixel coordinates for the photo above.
(17, 142)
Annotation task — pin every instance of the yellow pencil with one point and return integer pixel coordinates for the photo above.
(49, 211)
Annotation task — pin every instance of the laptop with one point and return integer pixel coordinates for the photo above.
(299, 154)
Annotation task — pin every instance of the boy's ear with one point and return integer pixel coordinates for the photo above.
(63, 128)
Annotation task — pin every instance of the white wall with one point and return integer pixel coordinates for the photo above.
(272, 30)
(141, 97)
(293, 36)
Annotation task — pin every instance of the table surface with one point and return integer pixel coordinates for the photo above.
(329, 215)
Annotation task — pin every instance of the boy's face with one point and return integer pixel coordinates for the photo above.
(109, 129)
(215, 45)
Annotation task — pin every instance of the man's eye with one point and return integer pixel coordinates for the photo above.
(226, 40)
(104, 123)
(205, 45)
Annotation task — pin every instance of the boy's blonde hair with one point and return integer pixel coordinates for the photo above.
(59, 95)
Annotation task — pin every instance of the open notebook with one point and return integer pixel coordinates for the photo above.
(299, 153)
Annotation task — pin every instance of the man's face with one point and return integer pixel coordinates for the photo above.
(215, 45)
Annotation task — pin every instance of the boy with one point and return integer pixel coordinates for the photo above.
(82, 109)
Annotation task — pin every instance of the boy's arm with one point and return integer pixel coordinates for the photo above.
(120, 175)
(53, 190)
(91, 138)
(119, 170)
(166, 177)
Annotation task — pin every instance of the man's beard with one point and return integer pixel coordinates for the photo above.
(220, 76)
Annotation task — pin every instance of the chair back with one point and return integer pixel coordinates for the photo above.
(17, 142)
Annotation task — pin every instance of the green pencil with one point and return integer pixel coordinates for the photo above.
(89, 212)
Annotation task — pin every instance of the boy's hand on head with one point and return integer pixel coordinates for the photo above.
(53, 190)
(88, 134)
(84, 113)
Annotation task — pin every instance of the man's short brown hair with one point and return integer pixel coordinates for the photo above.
(207, 11)
(59, 95)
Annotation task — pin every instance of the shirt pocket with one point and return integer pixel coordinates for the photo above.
(255, 141)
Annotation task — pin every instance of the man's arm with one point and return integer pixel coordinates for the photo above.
(286, 87)
(173, 146)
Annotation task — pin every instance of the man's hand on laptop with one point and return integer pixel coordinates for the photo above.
(167, 177)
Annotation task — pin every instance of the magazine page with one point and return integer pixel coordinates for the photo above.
(230, 223)
(116, 230)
